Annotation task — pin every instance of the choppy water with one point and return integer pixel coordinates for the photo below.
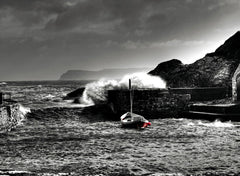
(41, 94)
(68, 141)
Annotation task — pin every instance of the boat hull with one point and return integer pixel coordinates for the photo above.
(132, 120)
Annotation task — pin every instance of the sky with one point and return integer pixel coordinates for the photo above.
(41, 39)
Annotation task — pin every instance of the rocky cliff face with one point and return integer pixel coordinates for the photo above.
(215, 69)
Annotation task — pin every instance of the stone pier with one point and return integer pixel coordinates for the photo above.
(161, 103)
(152, 103)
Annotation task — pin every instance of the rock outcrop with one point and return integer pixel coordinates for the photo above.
(75, 95)
(215, 69)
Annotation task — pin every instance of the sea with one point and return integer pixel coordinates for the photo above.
(59, 138)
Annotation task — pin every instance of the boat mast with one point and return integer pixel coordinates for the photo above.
(130, 92)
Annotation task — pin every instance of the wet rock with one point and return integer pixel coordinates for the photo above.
(164, 68)
(75, 95)
(215, 69)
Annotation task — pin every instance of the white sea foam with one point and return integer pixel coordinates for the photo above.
(190, 124)
(3, 83)
(49, 96)
(24, 110)
(142, 80)
(85, 99)
(96, 92)
(217, 123)
(22, 114)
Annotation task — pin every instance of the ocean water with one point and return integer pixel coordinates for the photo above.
(59, 138)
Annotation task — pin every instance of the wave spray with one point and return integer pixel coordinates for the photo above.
(96, 92)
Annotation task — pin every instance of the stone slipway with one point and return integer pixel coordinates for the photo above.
(223, 112)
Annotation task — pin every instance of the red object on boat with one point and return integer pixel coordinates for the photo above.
(146, 124)
(132, 120)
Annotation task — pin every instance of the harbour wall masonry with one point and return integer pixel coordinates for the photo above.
(161, 103)
(202, 93)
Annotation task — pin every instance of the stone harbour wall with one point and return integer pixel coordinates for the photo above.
(151, 103)
(202, 93)
(10, 116)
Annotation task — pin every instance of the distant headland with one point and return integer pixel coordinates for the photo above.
(116, 73)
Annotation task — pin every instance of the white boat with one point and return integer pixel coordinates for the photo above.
(132, 120)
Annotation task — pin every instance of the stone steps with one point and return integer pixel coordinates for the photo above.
(217, 108)
(211, 116)
(222, 112)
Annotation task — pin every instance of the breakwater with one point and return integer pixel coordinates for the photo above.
(202, 93)
(152, 103)
(161, 103)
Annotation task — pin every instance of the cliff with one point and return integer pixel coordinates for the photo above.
(215, 69)
(95, 75)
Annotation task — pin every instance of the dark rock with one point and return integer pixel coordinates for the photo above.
(75, 94)
(214, 70)
(230, 49)
(164, 68)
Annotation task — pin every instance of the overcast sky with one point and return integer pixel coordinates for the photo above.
(41, 39)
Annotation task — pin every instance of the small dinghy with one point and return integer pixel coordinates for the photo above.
(132, 120)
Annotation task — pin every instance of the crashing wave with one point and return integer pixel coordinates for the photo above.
(3, 83)
(96, 92)
(142, 80)
(24, 110)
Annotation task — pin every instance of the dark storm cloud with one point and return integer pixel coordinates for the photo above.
(132, 19)
(67, 33)
(18, 18)
(33, 5)
(149, 19)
